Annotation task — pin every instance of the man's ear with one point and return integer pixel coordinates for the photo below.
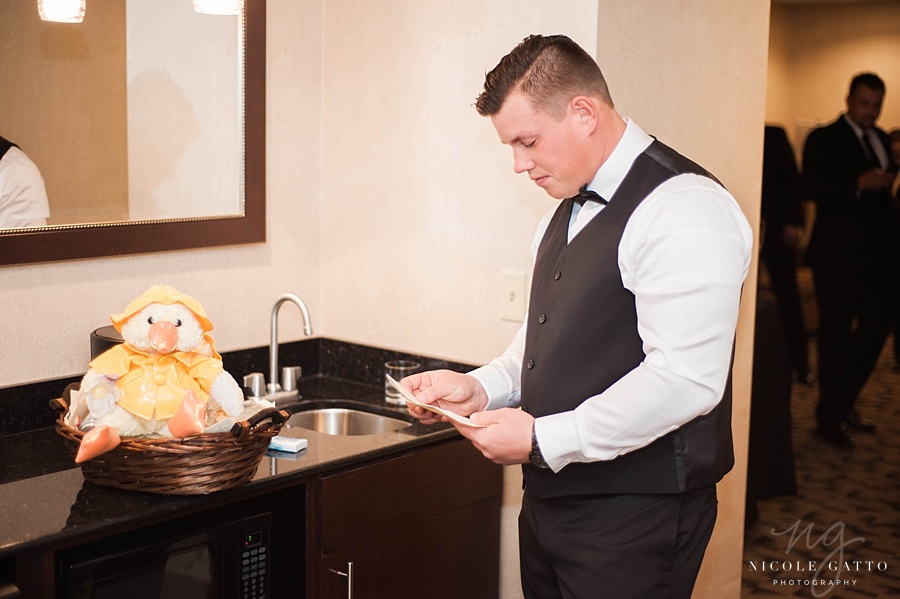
(585, 111)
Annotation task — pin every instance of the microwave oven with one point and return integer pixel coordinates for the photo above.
(224, 561)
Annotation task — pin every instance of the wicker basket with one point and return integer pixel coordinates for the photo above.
(194, 465)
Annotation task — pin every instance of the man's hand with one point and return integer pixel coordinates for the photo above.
(875, 178)
(458, 393)
(507, 438)
(790, 236)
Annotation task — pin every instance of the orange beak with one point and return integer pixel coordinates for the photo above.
(163, 336)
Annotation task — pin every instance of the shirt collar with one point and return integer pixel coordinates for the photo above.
(634, 141)
(856, 128)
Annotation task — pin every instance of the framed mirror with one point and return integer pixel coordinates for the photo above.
(143, 214)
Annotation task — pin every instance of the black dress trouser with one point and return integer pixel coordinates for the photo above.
(855, 310)
(615, 546)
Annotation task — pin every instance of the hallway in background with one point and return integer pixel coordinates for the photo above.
(844, 518)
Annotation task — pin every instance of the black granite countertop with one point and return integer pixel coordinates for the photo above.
(44, 498)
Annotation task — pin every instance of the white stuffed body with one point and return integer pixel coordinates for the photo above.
(165, 380)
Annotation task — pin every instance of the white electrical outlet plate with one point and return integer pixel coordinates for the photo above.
(512, 284)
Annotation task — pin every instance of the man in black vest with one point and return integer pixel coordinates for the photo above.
(622, 370)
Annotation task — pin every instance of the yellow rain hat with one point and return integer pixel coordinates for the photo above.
(162, 294)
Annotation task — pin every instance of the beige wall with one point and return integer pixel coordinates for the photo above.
(815, 50)
(698, 83)
(421, 209)
(778, 79)
(393, 208)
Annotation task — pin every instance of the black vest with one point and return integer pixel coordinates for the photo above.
(582, 337)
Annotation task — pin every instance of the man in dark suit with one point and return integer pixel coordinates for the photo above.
(848, 170)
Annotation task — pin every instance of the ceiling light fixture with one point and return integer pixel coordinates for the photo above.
(61, 11)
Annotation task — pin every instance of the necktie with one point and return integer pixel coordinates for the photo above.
(870, 151)
(585, 194)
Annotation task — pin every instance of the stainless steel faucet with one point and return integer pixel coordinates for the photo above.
(273, 386)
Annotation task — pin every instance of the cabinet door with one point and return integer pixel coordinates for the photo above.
(449, 556)
(425, 524)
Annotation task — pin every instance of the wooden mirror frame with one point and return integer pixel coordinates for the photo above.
(116, 239)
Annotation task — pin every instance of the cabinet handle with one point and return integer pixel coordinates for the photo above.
(349, 576)
(8, 590)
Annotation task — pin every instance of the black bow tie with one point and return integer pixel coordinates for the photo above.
(585, 194)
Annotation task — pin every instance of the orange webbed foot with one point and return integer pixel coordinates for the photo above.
(190, 419)
(97, 441)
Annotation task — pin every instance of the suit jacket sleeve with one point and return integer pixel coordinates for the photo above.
(831, 168)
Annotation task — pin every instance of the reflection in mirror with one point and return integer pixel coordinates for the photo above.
(23, 195)
(147, 123)
(135, 113)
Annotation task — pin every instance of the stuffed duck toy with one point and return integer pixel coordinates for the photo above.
(165, 380)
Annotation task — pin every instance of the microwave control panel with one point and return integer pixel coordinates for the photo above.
(254, 570)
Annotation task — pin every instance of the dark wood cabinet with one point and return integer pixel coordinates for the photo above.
(425, 524)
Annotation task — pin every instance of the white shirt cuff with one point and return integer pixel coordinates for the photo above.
(496, 385)
(557, 436)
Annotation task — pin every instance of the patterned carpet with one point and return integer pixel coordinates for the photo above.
(838, 536)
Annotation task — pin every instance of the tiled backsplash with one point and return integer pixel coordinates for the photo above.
(26, 407)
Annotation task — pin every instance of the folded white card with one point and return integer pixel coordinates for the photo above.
(430, 407)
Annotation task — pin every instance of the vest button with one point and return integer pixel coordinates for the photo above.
(530, 364)
(557, 276)
(542, 319)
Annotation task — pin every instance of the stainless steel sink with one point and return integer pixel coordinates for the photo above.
(340, 421)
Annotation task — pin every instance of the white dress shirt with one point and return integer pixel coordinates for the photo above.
(23, 197)
(684, 254)
(874, 142)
